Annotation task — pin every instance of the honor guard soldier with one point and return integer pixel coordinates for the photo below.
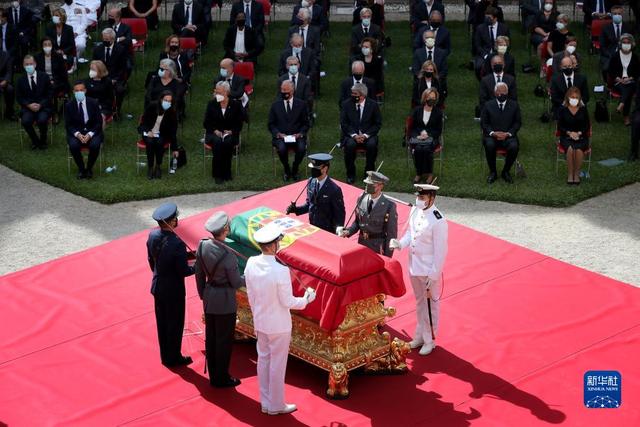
(217, 278)
(376, 216)
(324, 203)
(270, 297)
(427, 237)
(167, 255)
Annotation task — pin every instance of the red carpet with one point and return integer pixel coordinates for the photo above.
(518, 332)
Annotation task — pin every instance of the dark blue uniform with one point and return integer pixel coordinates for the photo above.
(167, 256)
(326, 207)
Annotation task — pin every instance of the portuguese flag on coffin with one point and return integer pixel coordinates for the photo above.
(340, 270)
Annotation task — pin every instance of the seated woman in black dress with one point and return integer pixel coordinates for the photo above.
(166, 79)
(373, 62)
(558, 36)
(50, 62)
(223, 123)
(574, 127)
(624, 72)
(99, 87)
(183, 60)
(64, 40)
(425, 132)
(147, 9)
(544, 23)
(159, 127)
(427, 78)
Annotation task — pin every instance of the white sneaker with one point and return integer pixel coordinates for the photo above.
(415, 343)
(426, 349)
(288, 408)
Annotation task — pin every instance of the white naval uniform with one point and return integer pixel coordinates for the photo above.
(427, 237)
(271, 296)
(77, 19)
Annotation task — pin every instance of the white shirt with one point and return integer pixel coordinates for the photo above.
(375, 201)
(270, 294)
(76, 18)
(86, 116)
(190, 6)
(321, 183)
(239, 47)
(35, 78)
(566, 80)
(426, 115)
(304, 30)
(498, 76)
(625, 59)
(297, 77)
(427, 238)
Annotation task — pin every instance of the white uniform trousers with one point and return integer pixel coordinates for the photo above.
(81, 44)
(273, 350)
(423, 330)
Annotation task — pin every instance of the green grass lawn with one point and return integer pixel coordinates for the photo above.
(463, 173)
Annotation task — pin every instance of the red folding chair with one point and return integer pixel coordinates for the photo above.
(596, 29)
(246, 70)
(266, 7)
(437, 151)
(189, 45)
(561, 152)
(139, 32)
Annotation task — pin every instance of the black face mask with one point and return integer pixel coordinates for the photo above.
(498, 68)
(111, 22)
(68, 2)
(285, 95)
(435, 25)
(431, 102)
(428, 74)
(106, 43)
(356, 99)
(501, 98)
(240, 23)
(315, 172)
(567, 71)
(174, 48)
(357, 76)
(488, 20)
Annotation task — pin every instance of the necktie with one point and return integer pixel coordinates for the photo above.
(369, 206)
(600, 7)
(247, 14)
(316, 190)
(15, 17)
(304, 42)
(498, 79)
(81, 112)
(186, 16)
(359, 109)
(288, 105)
(569, 82)
(107, 55)
(366, 31)
(33, 83)
(429, 55)
(293, 80)
(617, 31)
(502, 106)
(493, 39)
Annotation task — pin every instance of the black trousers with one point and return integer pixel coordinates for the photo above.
(626, 96)
(491, 147)
(222, 154)
(220, 329)
(423, 156)
(120, 89)
(41, 118)
(170, 323)
(9, 96)
(371, 147)
(299, 147)
(635, 133)
(155, 151)
(94, 151)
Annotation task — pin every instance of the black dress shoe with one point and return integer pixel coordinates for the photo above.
(296, 177)
(89, 174)
(81, 175)
(150, 173)
(42, 147)
(158, 172)
(286, 177)
(507, 177)
(492, 178)
(182, 361)
(350, 180)
(34, 146)
(231, 382)
(219, 181)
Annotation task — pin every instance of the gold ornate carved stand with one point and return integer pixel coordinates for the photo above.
(356, 343)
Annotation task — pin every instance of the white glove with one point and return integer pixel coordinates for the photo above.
(310, 295)
(394, 244)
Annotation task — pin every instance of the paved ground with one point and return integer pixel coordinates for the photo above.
(40, 223)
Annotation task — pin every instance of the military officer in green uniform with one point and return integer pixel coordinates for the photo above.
(376, 216)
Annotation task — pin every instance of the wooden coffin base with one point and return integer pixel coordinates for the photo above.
(356, 343)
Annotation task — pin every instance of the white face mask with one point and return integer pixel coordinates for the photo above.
(15, 4)
(502, 50)
(571, 49)
(93, 74)
(219, 98)
(626, 46)
(560, 26)
(46, 50)
(574, 102)
(420, 204)
(430, 42)
(548, 7)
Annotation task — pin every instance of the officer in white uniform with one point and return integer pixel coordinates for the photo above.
(427, 237)
(271, 296)
(78, 20)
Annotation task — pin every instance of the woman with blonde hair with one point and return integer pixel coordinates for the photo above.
(99, 87)
(574, 127)
(425, 131)
(427, 78)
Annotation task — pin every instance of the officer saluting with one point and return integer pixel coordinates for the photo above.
(427, 235)
(376, 216)
(325, 203)
(167, 255)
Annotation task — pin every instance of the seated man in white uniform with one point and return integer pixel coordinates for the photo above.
(78, 20)
(270, 297)
(427, 235)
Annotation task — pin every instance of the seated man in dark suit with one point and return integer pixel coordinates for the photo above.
(365, 29)
(500, 124)
(596, 9)
(306, 56)
(289, 124)
(317, 17)
(236, 81)
(83, 123)
(360, 121)
(301, 83)
(21, 18)
(35, 96)
(529, 10)
(6, 86)
(610, 36)
(115, 57)
(254, 14)
(8, 37)
(443, 36)
(240, 42)
(357, 76)
(563, 81)
(123, 31)
(310, 33)
(187, 20)
(484, 38)
(429, 52)
(488, 82)
(422, 11)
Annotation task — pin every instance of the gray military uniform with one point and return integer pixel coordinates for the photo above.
(218, 293)
(378, 227)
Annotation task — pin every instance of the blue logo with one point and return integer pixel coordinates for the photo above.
(602, 389)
